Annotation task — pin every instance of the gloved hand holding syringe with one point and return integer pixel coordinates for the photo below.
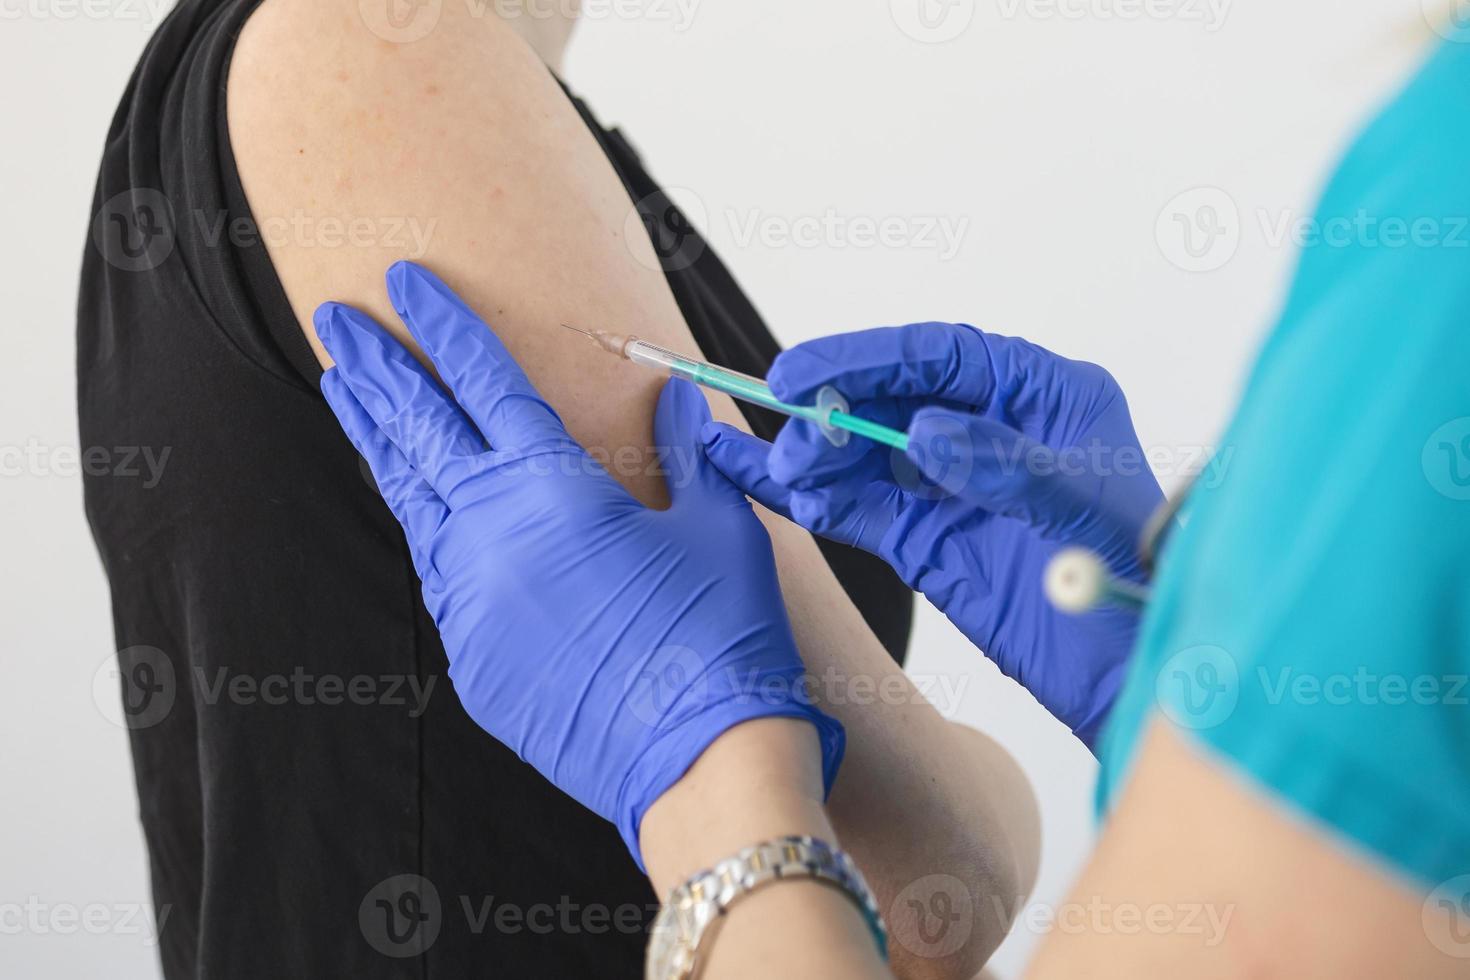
(1008, 469)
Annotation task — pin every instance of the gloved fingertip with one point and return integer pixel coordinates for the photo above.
(331, 383)
(784, 377)
(806, 509)
(323, 320)
(929, 414)
(683, 386)
(734, 452)
(713, 432)
(331, 386)
(941, 445)
(776, 380)
(781, 469)
(678, 419)
(396, 279)
(797, 373)
(685, 397)
(403, 279)
(407, 282)
(930, 423)
(344, 405)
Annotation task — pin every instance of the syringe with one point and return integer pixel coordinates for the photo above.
(830, 413)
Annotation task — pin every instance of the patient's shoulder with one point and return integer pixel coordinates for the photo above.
(326, 100)
(460, 150)
(293, 59)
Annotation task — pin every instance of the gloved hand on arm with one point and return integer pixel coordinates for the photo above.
(1014, 453)
(606, 643)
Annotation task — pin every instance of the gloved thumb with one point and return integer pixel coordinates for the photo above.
(1004, 471)
(682, 412)
(744, 460)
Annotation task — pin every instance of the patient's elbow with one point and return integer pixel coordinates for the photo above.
(946, 925)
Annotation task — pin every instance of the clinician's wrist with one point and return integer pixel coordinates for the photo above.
(758, 780)
(1090, 729)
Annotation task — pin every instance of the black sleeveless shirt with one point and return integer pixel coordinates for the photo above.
(315, 801)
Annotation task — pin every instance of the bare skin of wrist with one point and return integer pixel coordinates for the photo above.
(759, 780)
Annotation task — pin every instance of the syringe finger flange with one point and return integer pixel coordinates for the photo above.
(830, 400)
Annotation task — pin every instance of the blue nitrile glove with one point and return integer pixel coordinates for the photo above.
(605, 643)
(1014, 453)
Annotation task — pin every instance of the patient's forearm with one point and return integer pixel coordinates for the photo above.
(920, 803)
(759, 781)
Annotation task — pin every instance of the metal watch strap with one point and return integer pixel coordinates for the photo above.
(685, 918)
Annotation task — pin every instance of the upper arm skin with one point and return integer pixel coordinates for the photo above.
(1241, 887)
(467, 132)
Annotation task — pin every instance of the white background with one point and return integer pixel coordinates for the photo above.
(1056, 134)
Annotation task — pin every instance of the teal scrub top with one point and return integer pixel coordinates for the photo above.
(1311, 617)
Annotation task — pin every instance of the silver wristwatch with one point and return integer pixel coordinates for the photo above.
(686, 918)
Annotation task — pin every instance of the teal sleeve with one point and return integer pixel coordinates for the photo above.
(1311, 618)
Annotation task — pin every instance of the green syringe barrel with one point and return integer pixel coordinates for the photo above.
(870, 430)
(757, 392)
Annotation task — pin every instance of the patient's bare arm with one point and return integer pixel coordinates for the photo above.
(466, 136)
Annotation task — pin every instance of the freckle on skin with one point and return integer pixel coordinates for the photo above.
(431, 89)
(342, 76)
